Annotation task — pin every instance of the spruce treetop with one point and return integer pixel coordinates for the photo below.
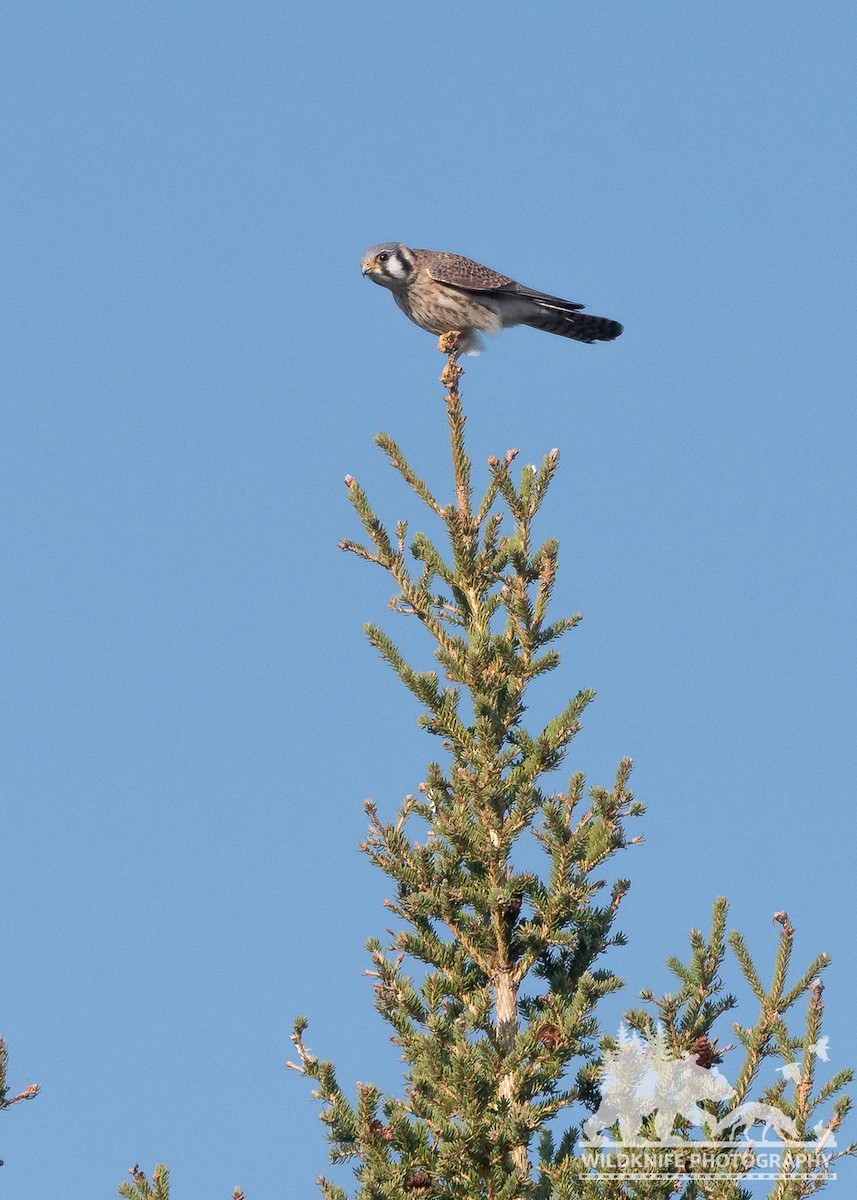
(492, 973)
(503, 906)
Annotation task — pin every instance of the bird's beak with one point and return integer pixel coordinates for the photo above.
(367, 267)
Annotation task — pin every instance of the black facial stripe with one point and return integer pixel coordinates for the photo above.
(401, 262)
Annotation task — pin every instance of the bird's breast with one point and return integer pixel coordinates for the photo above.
(438, 309)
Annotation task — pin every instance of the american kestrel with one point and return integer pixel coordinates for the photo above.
(441, 292)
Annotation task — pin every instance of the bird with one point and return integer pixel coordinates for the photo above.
(442, 292)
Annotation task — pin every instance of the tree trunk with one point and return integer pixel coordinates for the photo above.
(506, 992)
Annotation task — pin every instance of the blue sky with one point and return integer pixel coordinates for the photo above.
(191, 362)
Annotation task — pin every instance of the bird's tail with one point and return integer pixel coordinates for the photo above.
(565, 318)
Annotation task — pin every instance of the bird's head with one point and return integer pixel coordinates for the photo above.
(390, 264)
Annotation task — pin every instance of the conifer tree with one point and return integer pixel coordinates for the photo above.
(493, 974)
(495, 969)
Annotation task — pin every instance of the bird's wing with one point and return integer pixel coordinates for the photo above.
(460, 272)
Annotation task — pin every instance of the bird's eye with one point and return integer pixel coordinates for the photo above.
(383, 257)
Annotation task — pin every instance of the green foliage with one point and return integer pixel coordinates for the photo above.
(491, 978)
(141, 1188)
(493, 972)
(488, 1061)
(687, 1017)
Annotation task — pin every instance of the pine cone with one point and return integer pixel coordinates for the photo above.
(549, 1036)
(419, 1180)
(380, 1130)
(701, 1049)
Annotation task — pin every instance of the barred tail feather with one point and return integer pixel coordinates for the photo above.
(567, 322)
